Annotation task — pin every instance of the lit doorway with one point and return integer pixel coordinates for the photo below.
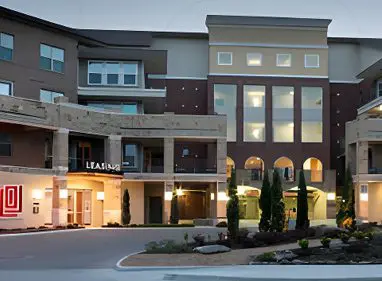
(79, 206)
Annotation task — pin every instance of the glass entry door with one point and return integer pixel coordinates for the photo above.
(79, 207)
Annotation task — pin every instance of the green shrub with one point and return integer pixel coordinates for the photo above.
(113, 224)
(166, 247)
(265, 203)
(303, 243)
(345, 237)
(221, 224)
(266, 257)
(359, 235)
(232, 207)
(369, 235)
(326, 242)
(70, 226)
(126, 216)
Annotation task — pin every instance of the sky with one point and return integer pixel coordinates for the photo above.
(351, 18)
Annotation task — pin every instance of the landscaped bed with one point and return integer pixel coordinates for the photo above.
(146, 225)
(38, 229)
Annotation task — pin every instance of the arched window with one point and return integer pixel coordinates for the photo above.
(285, 168)
(230, 166)
(256, 167)
(314, 168)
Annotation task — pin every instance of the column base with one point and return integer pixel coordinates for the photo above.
(59, 217)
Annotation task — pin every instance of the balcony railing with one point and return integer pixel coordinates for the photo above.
(194, 166)
(375, 170)
(156, 166)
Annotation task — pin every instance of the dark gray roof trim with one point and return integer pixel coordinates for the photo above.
(266, 21)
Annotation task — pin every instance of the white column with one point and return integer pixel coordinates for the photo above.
(168, 155)
(59, 201)
(221, 156)
(61, 149)
(113, 150)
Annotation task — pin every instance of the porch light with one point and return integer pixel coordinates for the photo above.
(168, 195)
(212, 196)
(222, 196)
(100, 195)
(331, 196)
(37, 194)
(63, 193)
(380, 108)
(179, 192)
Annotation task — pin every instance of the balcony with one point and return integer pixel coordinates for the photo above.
(122, 92)
(194, 166)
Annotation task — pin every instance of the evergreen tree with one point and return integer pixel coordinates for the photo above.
(174, 217)
(233, 207)
(265, 204)
(277, 204)
(302, 203)
(126, 216)
(346, 214)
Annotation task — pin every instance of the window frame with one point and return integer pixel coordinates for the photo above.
(100, 106)
(11, 87)
(6, 143)
(261, 59)
(13, 44)
(51, 58)
(136, 157)
(218, 58)
(311, 55)
(283, 54)
(379, 87)
(121, 74)
(62, 94)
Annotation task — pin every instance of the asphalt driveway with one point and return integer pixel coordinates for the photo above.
(84, 249)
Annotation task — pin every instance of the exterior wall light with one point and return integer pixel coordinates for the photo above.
(331, 196)
(100, 195)
(63, 193)
(222, 196)
(36, 194)
(168, 196)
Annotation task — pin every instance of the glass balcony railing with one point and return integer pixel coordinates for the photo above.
(194, 166)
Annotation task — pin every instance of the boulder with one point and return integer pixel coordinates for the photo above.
(296, 261)
(329, 231)
(284, 261)
(284, 255)
(212, 249)
(251, 235)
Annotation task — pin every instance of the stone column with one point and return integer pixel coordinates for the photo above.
(221, 156)
(168, 188)
(168, 155)
(112, 203)
(362, 157)
(59, 201)
(61, 149)
(113, 150)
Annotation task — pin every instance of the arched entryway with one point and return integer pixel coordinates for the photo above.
(230, 166)
(285, 168)
(313, 168)
(255, 167)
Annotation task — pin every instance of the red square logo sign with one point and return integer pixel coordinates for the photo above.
(11, 200)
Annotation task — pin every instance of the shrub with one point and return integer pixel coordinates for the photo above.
(126, 216)
(70, 226)
(31, 228)
(345, 237)
(42, 227)
(233, 207)
(75, 225)
(346, 214)
(325, 242)
(302, 221)
(266, 257)
(113, 224)
(359, 235)
(265, 202)
(221, 224)
(303, 243)
(278, 206)
(166, 247)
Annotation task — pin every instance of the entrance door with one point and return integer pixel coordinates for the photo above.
(79, 208)
(192, 205)
(155, 209)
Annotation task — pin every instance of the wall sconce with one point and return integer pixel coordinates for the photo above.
(179, 192)
(212, 196)
(364, 197)
(331, 196)
(168, 196)
(63, 194)
(100, 195)
(36, 194)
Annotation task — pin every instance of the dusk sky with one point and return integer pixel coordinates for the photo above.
(351, 18)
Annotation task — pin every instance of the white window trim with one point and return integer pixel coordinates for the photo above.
(219, 63)
(8, 82)
(261, 59)
(311, 55)
(277, 60)
(104, 83)
(51, 58)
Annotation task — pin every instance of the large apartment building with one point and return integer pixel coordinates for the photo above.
(87, 114)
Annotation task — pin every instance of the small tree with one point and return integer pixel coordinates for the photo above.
(233, 207)
(265, 204)
(126, 216)
(302, 203)
(346, 214)
(277, 204)
(174, 218)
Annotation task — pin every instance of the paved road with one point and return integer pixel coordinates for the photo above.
(84, 249)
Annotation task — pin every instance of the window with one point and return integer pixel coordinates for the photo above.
(51, 58)
(48, 96)
(130, 156)
(5, 88)
(6, 46)
(254, 113)
(284, 60)
(282, 113)
(311, 114)
(127, 108)
(364, 196)
(5, 145)
(379, 88)
(112, 73)
(312, 61)
(225, 104)
(254, 59)
(224, 58)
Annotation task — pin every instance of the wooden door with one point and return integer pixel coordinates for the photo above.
(79, 207)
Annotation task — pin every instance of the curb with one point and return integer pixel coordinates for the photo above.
(120, 267)
(41, 232)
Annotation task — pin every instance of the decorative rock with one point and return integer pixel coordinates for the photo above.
(285, 261)
(286, 254)
(212, 249)
(296, 261)
(251, 235)
(324, 230)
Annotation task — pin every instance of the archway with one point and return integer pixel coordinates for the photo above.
(255, 167)
(230, 166)
(313, 167)
(285, 168)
